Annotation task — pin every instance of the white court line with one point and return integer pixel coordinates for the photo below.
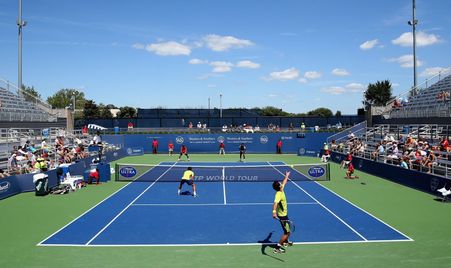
(222, 245)
(219, 204)
(120, 213)
(40, 243)
(330, 211)
(223, 185)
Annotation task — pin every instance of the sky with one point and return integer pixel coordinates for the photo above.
(292, 54)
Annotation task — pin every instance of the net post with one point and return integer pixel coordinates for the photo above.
(328, 171)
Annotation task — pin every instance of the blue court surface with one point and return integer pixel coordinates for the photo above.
(150, 213)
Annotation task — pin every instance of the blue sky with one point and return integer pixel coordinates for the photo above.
(293, 54)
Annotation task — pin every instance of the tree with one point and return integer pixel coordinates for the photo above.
(91, 110)
(104, 111)
(272, 111)
(29, 93)
(126, 112)
(378, 94)
(338, 114)
(64, 98)
(322, 112)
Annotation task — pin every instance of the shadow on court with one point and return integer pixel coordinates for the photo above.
(268, 243)
(186, 193)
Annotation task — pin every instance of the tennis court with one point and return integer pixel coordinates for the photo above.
(232, 210)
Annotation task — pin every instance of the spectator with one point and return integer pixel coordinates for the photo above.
(302, 126)
(155, 146)
(224, 128)
(199, 125)
(84, 130)
(3, 174)
(190, 125)
(97, 138)
(279, 146)
(444, 145)
(291, 127)
(41, 165)
(403, 163)
(257, 128)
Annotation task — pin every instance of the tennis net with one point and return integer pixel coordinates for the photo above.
(237, 173)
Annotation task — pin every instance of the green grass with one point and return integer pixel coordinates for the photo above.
(25, 220)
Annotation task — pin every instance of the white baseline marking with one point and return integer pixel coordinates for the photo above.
(219, 204)
(330, 211)
(221, 245)
(120, 213)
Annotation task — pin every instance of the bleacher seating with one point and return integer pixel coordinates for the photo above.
(425, 102)
(14, 107)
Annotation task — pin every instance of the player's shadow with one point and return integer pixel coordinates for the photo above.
(186, 193)
(268, 243)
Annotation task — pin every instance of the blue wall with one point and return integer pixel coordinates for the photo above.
(208, 143)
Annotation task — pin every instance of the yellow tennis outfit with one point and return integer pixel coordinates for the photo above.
(188, 175)
(281, 200)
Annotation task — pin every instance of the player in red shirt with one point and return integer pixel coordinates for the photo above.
(183, 151)
(170, 147)
(155, 146)
(350, 171)
(279, 146)
(221, 148)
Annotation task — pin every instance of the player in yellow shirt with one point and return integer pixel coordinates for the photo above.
(188, 178)
(280, 212)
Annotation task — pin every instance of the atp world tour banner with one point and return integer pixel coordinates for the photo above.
(208, 143)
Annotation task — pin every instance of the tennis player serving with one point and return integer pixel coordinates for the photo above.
(280, 212)
(188, 178)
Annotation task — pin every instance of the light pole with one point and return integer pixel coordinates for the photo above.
(413, 23)
(20, 25)
(220, 105)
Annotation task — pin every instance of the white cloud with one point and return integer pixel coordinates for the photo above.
(273, 95)
(224, 43)
(355, 87)
(334, 90)
(340, 72)
(428, 72)
(405, 61)
(197, 61)
(170, 48)
(211, 86)
(221, 66)
(302, 80)
(247, 64)
(395, 85)
(422, 39)
(288, 74)
(138, 46)
(369, 44)
(312, 75)
(349, 88)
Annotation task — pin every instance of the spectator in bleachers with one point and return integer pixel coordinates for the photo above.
(84, 130)
(190, 125)
(3, 174)
(444, 145)
(97, 138)
(429, 160)
(12, 163)
(224, 128)
(41, 164)
(302, 126)
(403, 163)
(199, 125)
(380, 151)
(257, 128)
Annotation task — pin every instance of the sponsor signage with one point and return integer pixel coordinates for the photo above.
(316, 171)
(128, 172)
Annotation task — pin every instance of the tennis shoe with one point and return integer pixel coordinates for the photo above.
(288, 244)
(278, 250)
